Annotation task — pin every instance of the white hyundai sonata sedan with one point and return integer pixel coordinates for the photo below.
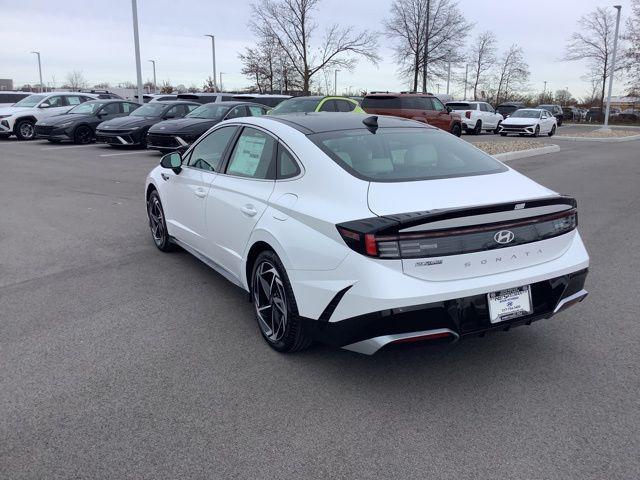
(362, 232)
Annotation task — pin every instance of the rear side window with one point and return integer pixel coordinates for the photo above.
(287, 166)
(404, 154)
(328, 106)
(73, 100)
(129, 107)
(253, 155)
(381, 102)
(413, 103)
(344, 106)
(255, 111)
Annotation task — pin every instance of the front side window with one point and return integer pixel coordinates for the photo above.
(404, 154)
(57, 101)
(255, 111)
(253, 155)
(207, 154)
(129, 107)
(237, 112)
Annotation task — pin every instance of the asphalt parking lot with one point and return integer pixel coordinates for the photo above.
(119, 361)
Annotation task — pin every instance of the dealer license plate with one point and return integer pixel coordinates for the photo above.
(508, 304)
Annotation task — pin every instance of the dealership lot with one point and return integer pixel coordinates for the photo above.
(121, 362)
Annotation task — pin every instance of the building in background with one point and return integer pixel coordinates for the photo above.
(6, 84)
(623, 102)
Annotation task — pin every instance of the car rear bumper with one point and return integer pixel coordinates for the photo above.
(362, 300)
(445, 321)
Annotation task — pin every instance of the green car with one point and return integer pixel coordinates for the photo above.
(316, 104)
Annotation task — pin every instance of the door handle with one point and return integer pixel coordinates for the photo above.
(249, 210)
(199, 192)
(164, 176)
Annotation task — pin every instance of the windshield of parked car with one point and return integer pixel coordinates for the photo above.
(30, 101)
(460, 106)
(86, 108)
(526, 114)
(149, 110)
(404, 154)
(296, 105)
(213, 111)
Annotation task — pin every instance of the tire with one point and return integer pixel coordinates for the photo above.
(497, 129)
(83, 135)
(503, 134)
(552, 132)
(560, 122)
(157, 223)
(25, 129)
(456, 130)
(536, 132)
(477, 130)
(272, 297)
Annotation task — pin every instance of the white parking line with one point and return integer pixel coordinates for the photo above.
(71, 146)
(118, 154)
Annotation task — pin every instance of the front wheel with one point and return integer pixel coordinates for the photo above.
(83, 135)
(157, 223)
(552, 132)
(275, 306)
(25, 130)
(456, 130)
(536, 132)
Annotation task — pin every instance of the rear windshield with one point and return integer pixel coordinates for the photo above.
(460, 106)
(404, 154)
(381, 102)
(507, 108)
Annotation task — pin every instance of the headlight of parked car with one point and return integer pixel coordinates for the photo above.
(64, 125)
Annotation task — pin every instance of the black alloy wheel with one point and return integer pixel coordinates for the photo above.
(83, 135)
(275, 305)
(157, 223)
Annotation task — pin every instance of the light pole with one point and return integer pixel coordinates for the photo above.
(613, 68)
(350, 87)
(39, 69)
(448, 73)
(544, 90)
(213, 56)
(335, 82)
(136, 41)
(155, 85)
(466, 73)
(221, 73)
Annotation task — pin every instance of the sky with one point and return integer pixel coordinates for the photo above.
(96, 37)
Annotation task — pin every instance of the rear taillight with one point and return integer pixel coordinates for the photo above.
(467, 114)
(461, 240)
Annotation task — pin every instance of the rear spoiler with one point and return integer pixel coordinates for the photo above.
(391, 224)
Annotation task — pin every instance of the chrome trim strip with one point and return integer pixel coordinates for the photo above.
(210, 263)
(122, 140)
(180, 141)
(372, 345)
(576, 297)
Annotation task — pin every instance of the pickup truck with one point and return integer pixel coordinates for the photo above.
(477, 116)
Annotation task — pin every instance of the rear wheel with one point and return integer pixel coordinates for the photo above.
(497, 129)
(552, 132)
(275, 306)
(456, 130)
(83, 135)
(25, 129)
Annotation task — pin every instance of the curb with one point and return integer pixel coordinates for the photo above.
(604, 140)
(532, 152)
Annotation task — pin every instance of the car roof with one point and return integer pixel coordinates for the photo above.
(318, 122)
(174, 102)
(398, 94)
(109, 100)
(232, 103)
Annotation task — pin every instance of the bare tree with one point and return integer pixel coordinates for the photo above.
(631, 55)
(437, 25)
(269, 67)
(512, 74)
(209, 85)
(290, 24)
(76, 80)
(564, 97)
(166, 87)
(594, 43)
(481, 57)
(593, 93)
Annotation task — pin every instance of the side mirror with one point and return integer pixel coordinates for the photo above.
(44, 105)
(173, 161)
(449, 109)
(168, 116)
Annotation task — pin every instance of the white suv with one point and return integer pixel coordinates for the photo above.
(477, 116)
(20, 118)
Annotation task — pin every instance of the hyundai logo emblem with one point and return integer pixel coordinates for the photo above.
(504, 236)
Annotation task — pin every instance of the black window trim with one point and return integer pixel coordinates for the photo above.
(282, 146)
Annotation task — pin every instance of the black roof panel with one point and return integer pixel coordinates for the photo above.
(309, 123)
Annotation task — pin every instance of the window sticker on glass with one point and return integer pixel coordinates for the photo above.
(247, 155)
